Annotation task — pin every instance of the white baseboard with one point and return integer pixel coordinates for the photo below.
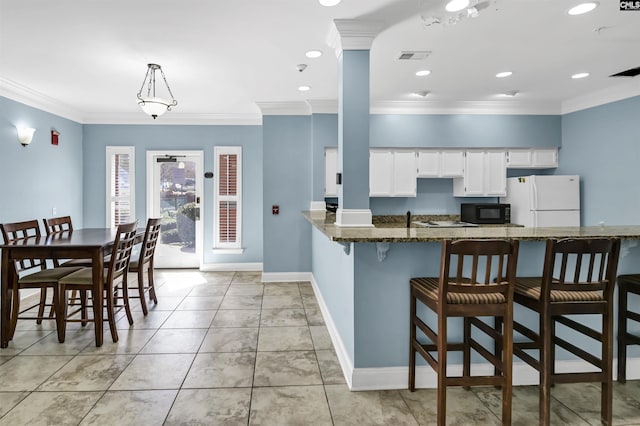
(275, 277)
(231, 267)
(343, 356)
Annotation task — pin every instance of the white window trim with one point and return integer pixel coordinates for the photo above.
(110, 152)
(222, 247)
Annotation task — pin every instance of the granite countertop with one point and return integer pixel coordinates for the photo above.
(392, 229)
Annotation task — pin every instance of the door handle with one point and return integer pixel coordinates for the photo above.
(197, 213)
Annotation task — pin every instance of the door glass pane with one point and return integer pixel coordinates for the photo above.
(177, 207)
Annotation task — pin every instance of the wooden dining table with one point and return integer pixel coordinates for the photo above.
(89, 243)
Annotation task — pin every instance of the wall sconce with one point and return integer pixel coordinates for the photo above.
(25, 135)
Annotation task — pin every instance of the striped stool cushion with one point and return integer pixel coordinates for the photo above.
(530, 287)
(429, 287)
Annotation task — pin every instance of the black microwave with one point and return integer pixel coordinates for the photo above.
(485, 213)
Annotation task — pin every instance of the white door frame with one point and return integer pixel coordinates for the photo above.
(152, 195)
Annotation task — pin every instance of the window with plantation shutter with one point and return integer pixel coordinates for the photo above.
(228, 197)
(120, 185)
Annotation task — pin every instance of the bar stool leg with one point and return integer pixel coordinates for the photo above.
(622, 331)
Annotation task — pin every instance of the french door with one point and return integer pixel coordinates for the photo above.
(174, 193)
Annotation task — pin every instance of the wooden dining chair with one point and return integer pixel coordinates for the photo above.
(56, 225)
(31, 274)
(114, 286)
(476, 280)
(578, 279)
(143, 262)
(627, 285)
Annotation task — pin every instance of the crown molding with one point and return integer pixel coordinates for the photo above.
(618, 92)
(323, 106)
(352, 34)
(284, 108)
(27, 96)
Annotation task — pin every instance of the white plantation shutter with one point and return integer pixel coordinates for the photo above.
(228, 196)
(120, 185)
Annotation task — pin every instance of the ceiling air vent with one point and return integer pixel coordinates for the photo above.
(628, 73)
(413, 55)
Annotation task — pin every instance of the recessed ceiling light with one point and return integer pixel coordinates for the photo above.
(504, 74)
(583, 8)
(456, 5)
(329, 3)
(421, 93)
(510, 93)
(580, 75)
(313, 54)
(422, 73)
(304, 88)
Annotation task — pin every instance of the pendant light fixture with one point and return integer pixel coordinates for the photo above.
(152, 104)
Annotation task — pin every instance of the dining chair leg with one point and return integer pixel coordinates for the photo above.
(152, 285)
(43, 300)
(125, 298)
(61, 312)
(15, 313)
(143, 301)
(111, 314)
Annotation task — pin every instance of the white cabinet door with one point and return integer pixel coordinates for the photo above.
(485, 175)
(473, 176)
(452, 163)
(392, 173)
(495, 184)
(429, 164)
(380, 173)
(534, 158)
(545, 158)
(519, 158)
(436, 163)
(404, 174)
(330, 170)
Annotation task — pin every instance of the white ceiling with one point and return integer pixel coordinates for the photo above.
(86, 59)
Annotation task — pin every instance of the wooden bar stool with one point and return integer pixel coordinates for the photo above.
(476, 280)
(578, 278)
(627, 284)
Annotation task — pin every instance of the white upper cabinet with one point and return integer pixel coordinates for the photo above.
(330, 170)
(485, 175)
(534, 158)
(392, 173)
(440, 163)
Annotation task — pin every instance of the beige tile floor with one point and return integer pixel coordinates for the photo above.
(223, 348)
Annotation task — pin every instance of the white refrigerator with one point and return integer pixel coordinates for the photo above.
(544, 200)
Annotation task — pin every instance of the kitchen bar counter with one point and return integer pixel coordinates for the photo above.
(395, 231)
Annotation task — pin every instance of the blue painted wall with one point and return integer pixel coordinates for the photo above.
(334, 275)
(602, 145)
(465, 131)
(41, 176)
(158, 137)
(324, 133)
(286, 182)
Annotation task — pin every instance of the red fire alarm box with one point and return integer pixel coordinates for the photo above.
(54, 137)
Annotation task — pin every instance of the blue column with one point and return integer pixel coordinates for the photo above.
(353, 129)
(352, 40)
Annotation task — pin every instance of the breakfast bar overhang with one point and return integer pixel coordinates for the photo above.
(361, 278)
